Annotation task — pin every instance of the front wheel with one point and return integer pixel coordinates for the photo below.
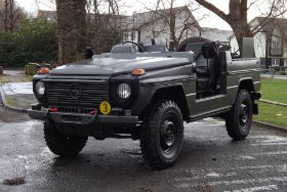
(61, 144)
(239, 119)
(162, 139)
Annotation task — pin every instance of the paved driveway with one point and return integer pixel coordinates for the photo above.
(210, 161)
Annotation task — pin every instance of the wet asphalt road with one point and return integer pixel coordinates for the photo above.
(210, 161)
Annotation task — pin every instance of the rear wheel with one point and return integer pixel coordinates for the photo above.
(239, 119)
(61, 144)
(162, 139)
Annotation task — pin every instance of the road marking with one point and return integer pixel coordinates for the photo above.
(254, 189)
(248, 167)
(268, 138)
(235, 182)
(246, 157)
(269, 144)
(198, 176)
(193, 177)
(213, 174)
(271, 153)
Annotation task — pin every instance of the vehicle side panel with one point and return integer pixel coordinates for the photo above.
(159, 79)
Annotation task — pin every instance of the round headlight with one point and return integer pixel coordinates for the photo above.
(40, 88)
(124, 91)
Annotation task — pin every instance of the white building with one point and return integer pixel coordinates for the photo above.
(270, 43)
(142, 27)
(214, 34)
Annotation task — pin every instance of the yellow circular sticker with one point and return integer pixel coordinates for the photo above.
(105, 107)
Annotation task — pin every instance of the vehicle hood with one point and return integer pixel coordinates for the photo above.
(115, 65)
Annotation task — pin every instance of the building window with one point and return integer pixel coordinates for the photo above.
(285, 62)
(276, 44)
(275, 62)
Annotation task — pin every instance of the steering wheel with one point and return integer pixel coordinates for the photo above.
(141, 48)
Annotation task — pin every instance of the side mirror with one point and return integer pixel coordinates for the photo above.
(209, 50)
(89, 53)
(38, 67)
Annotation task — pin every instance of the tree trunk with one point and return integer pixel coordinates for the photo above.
(237, 18)
(6, 16)
(11, 15)
(71, 30)
(241, 29)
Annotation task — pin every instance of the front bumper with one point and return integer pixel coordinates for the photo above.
(84, 119)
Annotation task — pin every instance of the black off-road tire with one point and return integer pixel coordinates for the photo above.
(239, 119)
(162, 138)
(62, 144)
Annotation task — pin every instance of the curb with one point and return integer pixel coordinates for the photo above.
(269, 125)
(273, 103)
(8, 106)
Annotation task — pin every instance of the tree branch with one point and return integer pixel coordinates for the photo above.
(212, 8)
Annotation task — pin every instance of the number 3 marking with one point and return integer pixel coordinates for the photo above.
(105, 107)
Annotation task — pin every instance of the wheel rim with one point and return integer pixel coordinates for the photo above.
(167, 136)
(243, 116)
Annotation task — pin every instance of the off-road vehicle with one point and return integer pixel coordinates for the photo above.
(148, 95)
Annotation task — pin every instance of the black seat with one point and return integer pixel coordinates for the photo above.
(204, 67)
(155, 48)
(119, 49)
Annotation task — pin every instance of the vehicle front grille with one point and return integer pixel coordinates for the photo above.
(85, 95)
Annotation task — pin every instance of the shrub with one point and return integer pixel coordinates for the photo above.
(34, 41)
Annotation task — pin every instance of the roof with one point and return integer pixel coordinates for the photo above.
(270, 24)
(145, 18)
(215, 34)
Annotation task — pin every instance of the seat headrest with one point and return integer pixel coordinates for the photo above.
(155, 48)
(195, 47)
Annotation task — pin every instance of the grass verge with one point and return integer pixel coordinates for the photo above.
(11, 101)
(272, 114)
(14, 78)
(274, 90)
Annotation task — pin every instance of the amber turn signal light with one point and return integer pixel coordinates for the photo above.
(138, 72)
(44, 70)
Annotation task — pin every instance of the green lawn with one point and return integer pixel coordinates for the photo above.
(272, 114)
(274, 90)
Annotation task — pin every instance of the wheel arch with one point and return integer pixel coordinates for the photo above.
(175, 93)
(247, 84)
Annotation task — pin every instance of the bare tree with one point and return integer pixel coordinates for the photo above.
(104, 24)
(237, 16)
(71, 30)
(11, 15)
(178, 20)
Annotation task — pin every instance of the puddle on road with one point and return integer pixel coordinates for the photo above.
(18, 88)
(12, 72)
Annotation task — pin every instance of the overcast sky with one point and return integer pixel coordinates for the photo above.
(133, 5)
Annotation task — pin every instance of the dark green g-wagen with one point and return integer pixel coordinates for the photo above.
(146, 95)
